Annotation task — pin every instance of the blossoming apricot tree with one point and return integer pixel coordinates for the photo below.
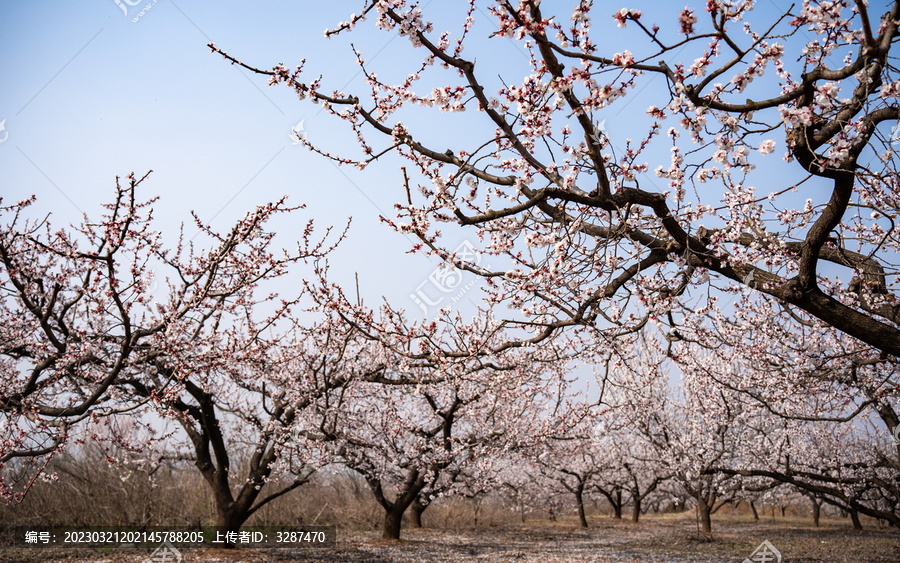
(80, 317)
(591, 238)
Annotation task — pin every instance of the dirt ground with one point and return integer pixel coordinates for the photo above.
(665, 539)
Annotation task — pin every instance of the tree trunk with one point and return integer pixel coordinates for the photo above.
(392, 520)
(755, 513)
(816, 511)
(705, 520)
(617, 506)
(579, 498)
(636, 509)
(229, 520)
(415, 514)
(393, 511)
(854, 516)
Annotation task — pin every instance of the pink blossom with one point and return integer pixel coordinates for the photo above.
(687, 19)
(623, 15)
(767, 146)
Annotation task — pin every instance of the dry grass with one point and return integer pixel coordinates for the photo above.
(89, 492)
